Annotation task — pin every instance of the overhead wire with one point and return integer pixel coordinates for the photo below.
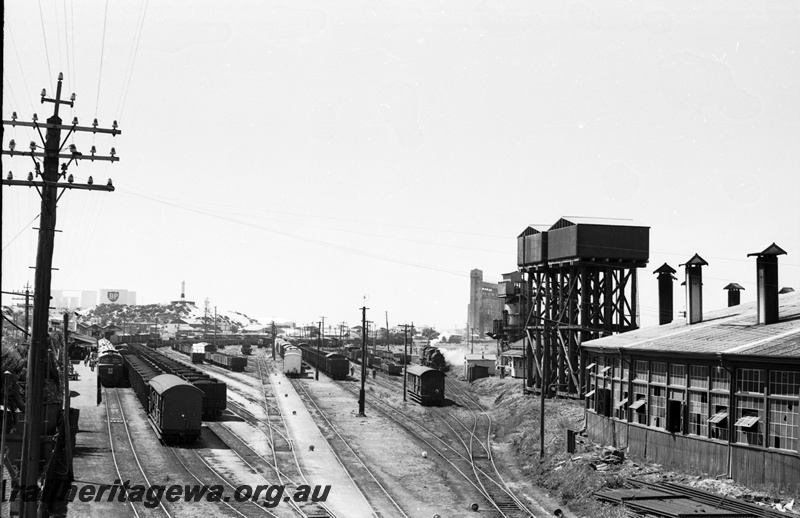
(369, 234)
(24, 228)
(44, 36)
(19, 62)
(132, 59)
(74, 77)
(102, 54)
(66, 37)
(326, 244)
(58, 36)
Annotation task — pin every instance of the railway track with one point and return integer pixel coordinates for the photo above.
(281, 458)
(123, 453)
(474, 463)
(376, 494)
(478, 445)
(287, 465)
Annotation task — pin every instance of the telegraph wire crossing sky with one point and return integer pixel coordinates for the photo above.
(287, 158)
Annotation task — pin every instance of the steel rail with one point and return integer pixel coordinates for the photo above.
(296, 383)
(130, 440)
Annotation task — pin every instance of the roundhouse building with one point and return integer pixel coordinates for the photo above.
(720, 395)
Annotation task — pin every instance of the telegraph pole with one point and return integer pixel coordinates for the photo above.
(405, 359)
(387, 330)
(273, 340)
(47, 188)
(363, 361)
(319, 344)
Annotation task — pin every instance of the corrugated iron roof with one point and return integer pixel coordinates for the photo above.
(734, 331)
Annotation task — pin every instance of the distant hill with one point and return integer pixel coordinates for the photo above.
(120, 314)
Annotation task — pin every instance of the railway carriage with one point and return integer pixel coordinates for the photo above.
(109, 364)
(175, 407)
(426, 385)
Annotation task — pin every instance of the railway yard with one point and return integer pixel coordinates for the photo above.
(297, 446)
(400, 459)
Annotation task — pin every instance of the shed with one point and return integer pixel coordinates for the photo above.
(489, 361)
(719, 396)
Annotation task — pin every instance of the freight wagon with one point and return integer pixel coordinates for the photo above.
(228, 361)
(335, 365)
(173, 405)
(215, 392)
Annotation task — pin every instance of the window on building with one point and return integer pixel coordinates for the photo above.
(719, 422)
(658, 373)
(698, 412)
(783, 425)
(698, 376)
(750, 380)
(591, 390)
(784, 421)
(720, 379)
(638, 408)
(640, 370)
(784, 383)
(658, 406)
(749, 425)
(621, 400)
(677, 375)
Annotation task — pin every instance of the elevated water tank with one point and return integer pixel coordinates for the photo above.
(532, 246)
(598, 238)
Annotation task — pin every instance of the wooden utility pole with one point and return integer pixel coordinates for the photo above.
(67, 365)
(319, 344)
(405, 359)
(273, 340)
(27, 307)
(48, 190)
(387, 330)
(363, 361)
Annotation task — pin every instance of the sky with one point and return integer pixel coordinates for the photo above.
(304, 159)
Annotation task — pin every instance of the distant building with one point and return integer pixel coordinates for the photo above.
(73, 299)
(117, 296)
(484, 305)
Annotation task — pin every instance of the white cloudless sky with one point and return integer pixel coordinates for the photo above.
(285, 159)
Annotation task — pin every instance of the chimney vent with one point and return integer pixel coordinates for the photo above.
(767, 283)
(694, 289)
(665, 279)
(733, 293)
